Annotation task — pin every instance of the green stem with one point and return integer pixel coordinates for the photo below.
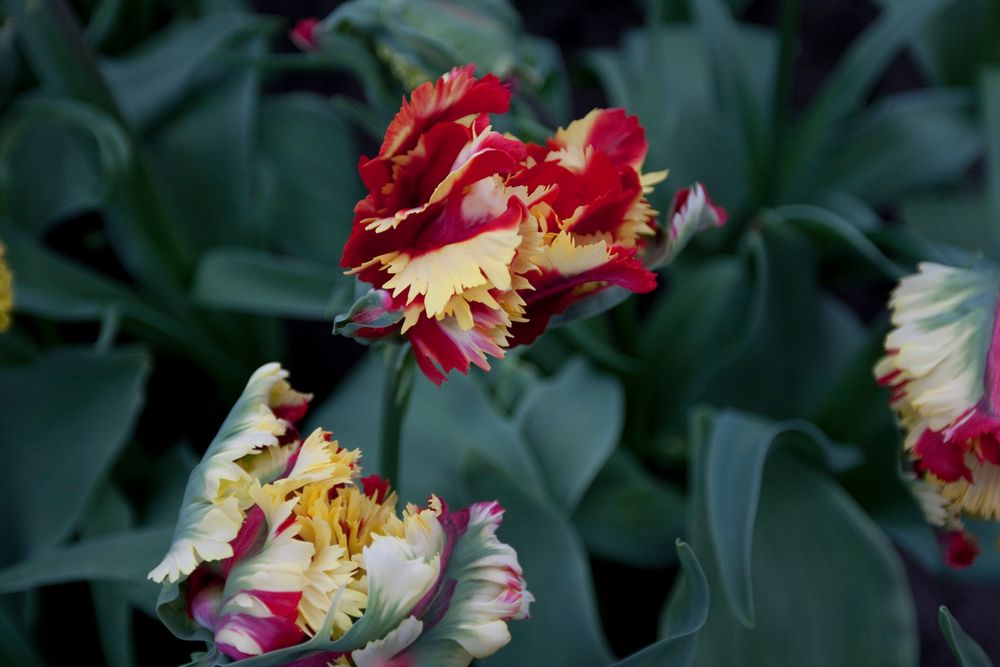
(396, 392)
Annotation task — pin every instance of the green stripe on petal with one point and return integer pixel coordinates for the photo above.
(943, 319)
(489, 590)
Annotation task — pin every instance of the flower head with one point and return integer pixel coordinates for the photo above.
(310, 559)
(303, 35)
(942, 364)
(472, 240)
(6, 291)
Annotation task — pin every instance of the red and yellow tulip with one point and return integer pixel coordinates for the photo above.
(473, 240)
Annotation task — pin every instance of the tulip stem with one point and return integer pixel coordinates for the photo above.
(395, 398)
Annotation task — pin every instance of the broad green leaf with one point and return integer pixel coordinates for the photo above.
(810, 542)
(204, 157)
(110, 513)
(564, 626)
(127, 556)
(689, 334)
(150, 82)
(10, 61)
(905, 142)
(797, 336)
(443, 427)
(15, 642)
(147, 242)
(831, 225)
(92, 151)
(964, 221)
(49, 285)
(990, 91)
(76, 408)
(746, 101)
(856, 410)
(953, 46)
(683, 617)
(31, 191)
(572, 425)
(103, 21)
(51, 41)
(255, 281)
(734, 459)
(630, 516)
(53, 286)
(308, 168)
(845, 88)
(966, 650)
(665, 76)
(16, 347)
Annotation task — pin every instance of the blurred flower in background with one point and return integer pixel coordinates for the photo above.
(6, 291)
(280, 545)
(942, 363)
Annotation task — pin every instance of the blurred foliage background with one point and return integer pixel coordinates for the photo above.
(176, 184)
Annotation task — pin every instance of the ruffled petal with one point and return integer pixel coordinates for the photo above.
(210, 515)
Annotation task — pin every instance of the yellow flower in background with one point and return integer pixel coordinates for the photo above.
(6, 291)
(282, 547)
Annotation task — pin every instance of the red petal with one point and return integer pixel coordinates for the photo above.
(960, 548)
(454, 96)
(554, 292)
(945, 460)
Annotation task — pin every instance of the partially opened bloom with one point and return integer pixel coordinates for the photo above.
(309, 563)
(943, 365)
(473, 240)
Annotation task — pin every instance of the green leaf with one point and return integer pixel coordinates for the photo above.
(564, 626)
(34, 194)
(92, 150)
(53, 45)
(76, 408)
(10, 61)
(990, 91)
(966, 650)
(205, 155)
(745, 86)
(53, 286)
(965, 221)
(810, 541)
(664, 76)
(630, 516)
(15, 646)
(572, 425)
(110, 513)
(857, 71)
(734, 464)
(308, 167)
(127, 556)
(953, 46)
(904, 143)
(700, 321)
(150, 83)
(777, 368)
(831, 225)
(683, 617)
(443, 427)
(255, 281)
